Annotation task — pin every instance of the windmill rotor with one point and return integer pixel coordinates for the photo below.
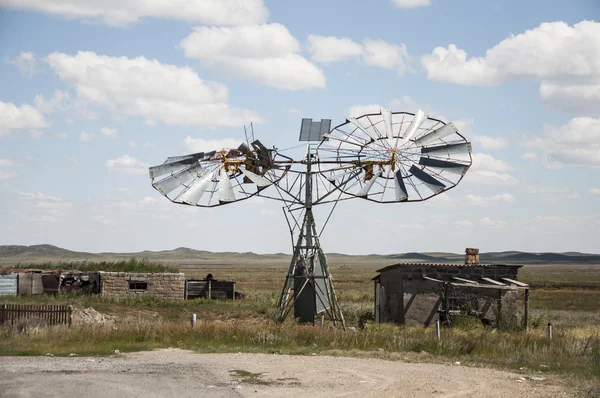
(392, 157)
(209, 179)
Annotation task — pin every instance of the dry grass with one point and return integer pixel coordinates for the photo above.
(246, 325)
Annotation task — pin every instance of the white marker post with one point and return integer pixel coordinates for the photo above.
(193, 320)
(438, 333)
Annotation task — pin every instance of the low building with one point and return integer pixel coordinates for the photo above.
(210, 287)
(421, 293)
(125, 284)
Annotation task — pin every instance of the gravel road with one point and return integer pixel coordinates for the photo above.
(178, 373)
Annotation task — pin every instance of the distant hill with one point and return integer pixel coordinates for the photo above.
(182, 256)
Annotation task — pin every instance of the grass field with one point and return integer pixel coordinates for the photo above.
(567, 297)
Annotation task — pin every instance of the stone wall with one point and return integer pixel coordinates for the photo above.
(163, 285)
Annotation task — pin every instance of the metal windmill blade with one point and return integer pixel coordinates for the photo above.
(218, 177)
(395, 156)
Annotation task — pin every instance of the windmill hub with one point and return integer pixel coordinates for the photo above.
(388, 157)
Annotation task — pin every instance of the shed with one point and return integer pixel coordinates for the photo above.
(421, 293)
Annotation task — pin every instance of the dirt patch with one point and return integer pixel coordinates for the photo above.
(174, 372)
(89, 316)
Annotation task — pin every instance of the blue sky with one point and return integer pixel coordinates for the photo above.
(92, 93)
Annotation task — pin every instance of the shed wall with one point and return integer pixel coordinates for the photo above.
(404, 297)
(8, 285)
(163, 285)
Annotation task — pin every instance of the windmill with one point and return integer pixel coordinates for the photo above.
(385, 157)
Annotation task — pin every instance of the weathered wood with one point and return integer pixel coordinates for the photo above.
(514, 282)
(49, 314)
(493, 282)
(526, 311)
(432, 279)
(456, 278)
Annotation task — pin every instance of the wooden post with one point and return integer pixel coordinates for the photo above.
(193, 320)
(322, 321)
(438, 333)
(233, 292)
(499, 315)
(447, 301)
(526, 311)
(70, 315)
(549, 332)
(209, 289)
(185, 290)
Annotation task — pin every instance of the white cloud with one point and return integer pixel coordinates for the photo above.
(62, 136)
(575, 144)
(483, 201)
(5, 175)
(488, 143)
(132, 144)
(576, 98)
(464, 223)
(359, 110)
(529, 156)
(7, 162)
(55, 205)
(551, 193)
(327, 49)
(488, 222)
(108, 132)
(147, 88)
(100, 219)
(47, 208)
(39, 196)
(126, 12)
(267, 54)
(37, 133)
(594, 191)
(86, 137)
(451, 65)
(490, 177)
(126, 164)
(58, 102)
(73, 160)
(405, 103)
(14, 118)
(566, 59)
(410, 3)
(386, 55)
(485, 162)
(26, 62)
(201, 145)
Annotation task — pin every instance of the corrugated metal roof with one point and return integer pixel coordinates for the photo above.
(446, 265)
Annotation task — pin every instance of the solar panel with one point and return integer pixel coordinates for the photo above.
(314, 131)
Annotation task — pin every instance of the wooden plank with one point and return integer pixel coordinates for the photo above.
(483, 286)
(432, 279)
(514, 282)
(465, 280)
(493, 282)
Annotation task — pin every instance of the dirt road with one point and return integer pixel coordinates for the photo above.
(178, 373)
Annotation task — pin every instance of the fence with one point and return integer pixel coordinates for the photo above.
(211, 288)
(47, 314)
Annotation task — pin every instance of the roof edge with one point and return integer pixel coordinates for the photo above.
(453, 265)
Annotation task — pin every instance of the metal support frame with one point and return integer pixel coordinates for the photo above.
(308, 279)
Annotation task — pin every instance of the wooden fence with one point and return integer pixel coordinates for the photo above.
(46, 314)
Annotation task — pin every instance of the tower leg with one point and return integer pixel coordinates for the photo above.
(308, 287)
